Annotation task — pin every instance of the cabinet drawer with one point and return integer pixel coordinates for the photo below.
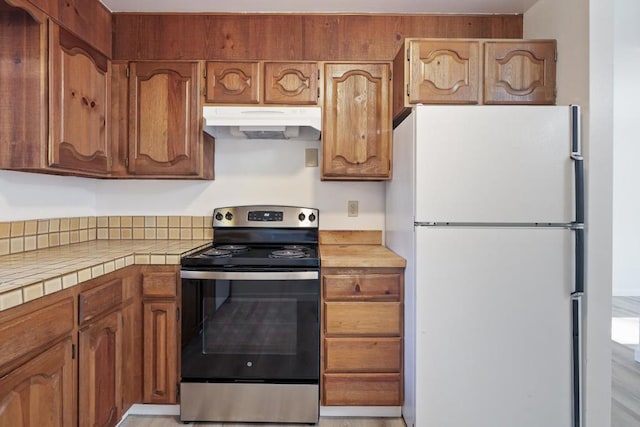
(363, 318)
(362, 389)
(362, 354)
(362, 287)
(159, 285)
(27, 333)
(99, 300)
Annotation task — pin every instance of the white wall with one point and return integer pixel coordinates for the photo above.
(584, 29)
(247, 172)
(626, 198)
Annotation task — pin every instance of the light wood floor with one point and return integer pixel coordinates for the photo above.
(150, 421)
(625, 371)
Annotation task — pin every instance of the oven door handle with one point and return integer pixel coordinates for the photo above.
(249, 275)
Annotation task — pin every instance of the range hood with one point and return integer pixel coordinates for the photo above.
(293, 123)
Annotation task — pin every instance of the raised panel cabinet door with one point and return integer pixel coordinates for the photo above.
(160, 351)
(291, 83)
(444, 72)
(520, 72)
(164, 127)
(356, 135)
(40, 392)
(79, 99)
(99, 372)
(233, 82)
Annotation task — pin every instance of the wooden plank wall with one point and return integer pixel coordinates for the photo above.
(292, 36)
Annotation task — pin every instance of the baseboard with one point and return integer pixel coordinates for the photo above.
(361, 411)
(149, 409)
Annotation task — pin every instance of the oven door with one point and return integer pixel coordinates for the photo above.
(250, 326)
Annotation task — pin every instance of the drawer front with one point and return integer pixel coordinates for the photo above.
(27, 333)
(362, 287)
(362, 389)
(99, 300)
(160, 284)
(363, 318)
(362, 354)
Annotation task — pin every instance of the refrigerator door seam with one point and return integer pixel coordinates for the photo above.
(567, 225)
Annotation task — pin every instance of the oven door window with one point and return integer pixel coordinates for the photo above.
(256, 330)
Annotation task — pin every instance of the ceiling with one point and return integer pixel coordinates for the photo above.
(323, 6)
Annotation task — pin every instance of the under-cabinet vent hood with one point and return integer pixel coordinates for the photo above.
(293, 123)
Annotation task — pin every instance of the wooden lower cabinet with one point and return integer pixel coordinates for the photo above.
(160, 352)
(362, 337)
(40, 392)
(160, 334)
(99, 370)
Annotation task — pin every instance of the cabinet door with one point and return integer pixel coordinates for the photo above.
(40, 392)
(444, 72)
(520, 72)
(160, 351)
(79, 99)
(99, 372)
(233, 82)
(356, 137)
(164, 128)
(291, 83)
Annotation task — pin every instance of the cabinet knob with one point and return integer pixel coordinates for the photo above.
(357, 287)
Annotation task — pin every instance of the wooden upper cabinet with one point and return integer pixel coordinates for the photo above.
(40, 392)
(291, 83)
(164, 119)
(520, 72)
(79, 99)
(356, 136)
(444, 72)
(233, 82)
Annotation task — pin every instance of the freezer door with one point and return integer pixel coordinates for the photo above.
(494, 164)
(493, 327)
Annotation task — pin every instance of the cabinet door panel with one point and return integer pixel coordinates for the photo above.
(160, 351)
(444, 72)
(164, 113)
(233, 82)
(520, 72)
(99, 372)
(357, 122)
(79, 97)
(40, 392)
(291, 83)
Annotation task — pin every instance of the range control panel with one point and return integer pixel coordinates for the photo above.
(266, 216)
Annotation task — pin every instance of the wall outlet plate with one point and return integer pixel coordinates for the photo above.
(352, 208)
(311, 157)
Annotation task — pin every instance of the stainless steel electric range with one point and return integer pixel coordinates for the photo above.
(250, 319)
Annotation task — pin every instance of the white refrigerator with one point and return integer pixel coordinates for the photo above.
(486, 205)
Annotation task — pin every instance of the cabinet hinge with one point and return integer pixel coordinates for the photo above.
(126, 162)
(178, 314)
(110, 162)
(128, 72)
(73, 351)
(318, 93)
(408, 55)
(177, 392)
(555, 55)
(407, 89)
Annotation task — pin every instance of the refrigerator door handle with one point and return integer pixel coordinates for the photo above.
(576, 320)
(579, 261)
(576, 155)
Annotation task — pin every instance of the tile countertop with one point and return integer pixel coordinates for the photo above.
(29, 275)
(355, 255)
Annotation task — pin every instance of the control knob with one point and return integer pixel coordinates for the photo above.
(228, 216)
(312, 217)
(219, 216)
(301, 217)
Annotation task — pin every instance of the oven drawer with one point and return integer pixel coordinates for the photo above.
(362, 287)
(363, 318)
(362, 354)
(362, 389)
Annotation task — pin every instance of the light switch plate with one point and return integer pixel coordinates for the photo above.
(352, 208)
